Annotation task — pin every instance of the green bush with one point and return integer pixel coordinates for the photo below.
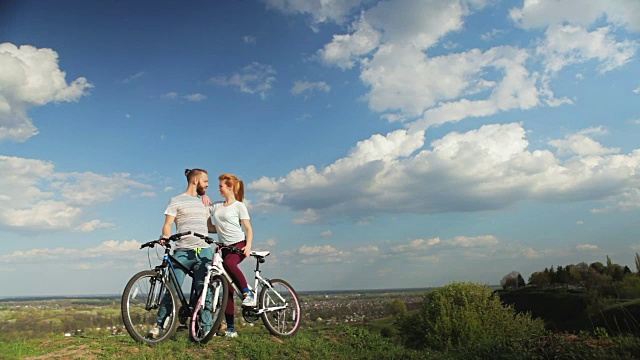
(462, 316)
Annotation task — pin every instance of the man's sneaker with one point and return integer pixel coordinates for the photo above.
(249, 299)
(231, 334)
(154, 333)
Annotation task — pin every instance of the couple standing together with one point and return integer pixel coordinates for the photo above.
(192, 211)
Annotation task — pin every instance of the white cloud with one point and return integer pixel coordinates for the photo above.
(37, 198)
(134, 77)
(483, 169)
(402, 79)
(248, 39)
(582, 144)
(318, 250)
(93, 225)
(570, 44)
(320, 10)
(253, 78)
(636, 90)
(627, 200)
(472, 241)
(417, 23)
(542, 13)
(415, 247)
(579, 222)
(582, 247)
(31, 77)
(322, 254)
(492, 34)
(368, 249)
(344, 50)
(196, 97)
(111, 249)
(300, 87)
(326, 233)
(170, 95)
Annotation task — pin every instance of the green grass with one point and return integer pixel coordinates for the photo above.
(322, 342)
(339, 342)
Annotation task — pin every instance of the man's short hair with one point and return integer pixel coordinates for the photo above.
(193, 173)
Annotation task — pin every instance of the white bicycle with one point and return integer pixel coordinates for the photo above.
(277, 303)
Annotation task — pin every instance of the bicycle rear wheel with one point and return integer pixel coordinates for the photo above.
(206, 319)
(281, 308)
(144, 296)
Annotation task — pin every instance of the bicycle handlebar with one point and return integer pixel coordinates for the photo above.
(218, 243)
(173, 237)
(177, 236)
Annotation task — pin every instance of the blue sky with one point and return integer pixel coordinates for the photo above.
(384, 144)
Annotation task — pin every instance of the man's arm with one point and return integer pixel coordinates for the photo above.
(168, 226)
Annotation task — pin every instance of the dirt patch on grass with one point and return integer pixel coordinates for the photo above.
(69, 350)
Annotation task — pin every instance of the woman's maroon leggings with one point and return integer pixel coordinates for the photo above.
(230, 263)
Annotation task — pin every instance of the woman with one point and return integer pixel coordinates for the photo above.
(230, 217)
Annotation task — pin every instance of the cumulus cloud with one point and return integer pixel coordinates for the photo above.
(322, 254)
(516, 89)
(34, 197)
(571, 44)
(31, 77)
(93, 225)
(586, 247)
(300, 87)
(320, 11)
(248, 39)
(434, 248)
(417, 23)
(111, 249)
(491, 34)
(253, 78)
(542, 13)
(170, 95)
(582, 144)
(484, 169)
(195, 97)
(417, 245)
(391, 42)
(344, 50)
(473, 241)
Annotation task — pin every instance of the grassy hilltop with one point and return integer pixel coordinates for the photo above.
(459, 321)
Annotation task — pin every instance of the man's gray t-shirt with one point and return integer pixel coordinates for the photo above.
(191, 215)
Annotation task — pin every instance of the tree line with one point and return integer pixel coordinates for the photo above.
(610, 279)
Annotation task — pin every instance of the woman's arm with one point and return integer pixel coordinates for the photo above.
(248, 232)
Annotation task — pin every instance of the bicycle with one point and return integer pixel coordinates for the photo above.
(277, 302)
(149, 290)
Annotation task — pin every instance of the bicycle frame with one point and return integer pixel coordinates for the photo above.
(216, 268)
(167, 272)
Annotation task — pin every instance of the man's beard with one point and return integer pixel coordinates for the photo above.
(201, 190)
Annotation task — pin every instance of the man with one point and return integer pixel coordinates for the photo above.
(188, 213)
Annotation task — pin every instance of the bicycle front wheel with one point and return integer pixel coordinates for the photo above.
(281, 308)
(146, 302)
(206, 319)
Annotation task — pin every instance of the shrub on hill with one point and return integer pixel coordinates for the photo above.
(464, 315)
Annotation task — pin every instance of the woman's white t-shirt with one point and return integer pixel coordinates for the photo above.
(227, 221)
